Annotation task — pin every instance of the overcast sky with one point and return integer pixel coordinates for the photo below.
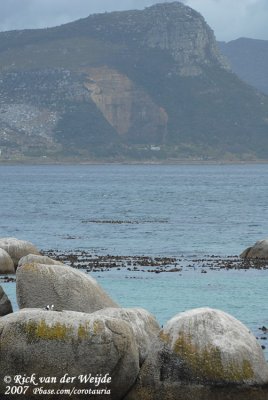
(230, 19)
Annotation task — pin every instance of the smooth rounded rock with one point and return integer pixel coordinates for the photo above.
(164, 375)
(258, 250)
(39, 285)
(144, 325)
(5, 304)
(17, 248)
(34, 258)
(6, 263)
(216, 347)
(52, 344)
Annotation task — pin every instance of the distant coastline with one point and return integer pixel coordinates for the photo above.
(132, 162)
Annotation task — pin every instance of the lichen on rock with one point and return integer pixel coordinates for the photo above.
(216, 347)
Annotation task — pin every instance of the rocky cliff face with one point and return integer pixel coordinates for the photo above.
(133, 84)
(126, 106)
(172, 27)
(184, 33)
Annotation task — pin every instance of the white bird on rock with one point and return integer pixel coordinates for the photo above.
(49, 308)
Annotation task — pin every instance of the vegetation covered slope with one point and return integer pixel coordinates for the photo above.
(148, 84)
(249, 60)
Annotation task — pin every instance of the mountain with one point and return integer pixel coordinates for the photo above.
(249, 60)
(138, 85)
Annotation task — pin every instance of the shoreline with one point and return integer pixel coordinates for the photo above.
(148, 162)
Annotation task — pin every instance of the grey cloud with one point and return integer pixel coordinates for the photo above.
(21, 14)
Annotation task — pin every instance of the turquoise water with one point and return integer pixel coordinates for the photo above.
(150, 210)
(242, 294)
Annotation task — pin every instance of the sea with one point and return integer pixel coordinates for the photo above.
(182, 211)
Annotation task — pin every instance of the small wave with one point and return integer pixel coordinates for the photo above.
(69, 237)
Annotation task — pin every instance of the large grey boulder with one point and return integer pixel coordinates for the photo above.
(17, 248)
(49, 343)
(143, 324)
(66, 288)
(6, 263)
(164, 375)
(216, 347)
(203, 354)
(5, 304)
(35, 258)
(258, 250)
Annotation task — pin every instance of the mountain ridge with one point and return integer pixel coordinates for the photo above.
(248, 58)
(162, 91)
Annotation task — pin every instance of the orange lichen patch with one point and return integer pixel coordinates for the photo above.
(207, 364)
(83, 331)
(41, 330)
(98, 327)
(29, 267)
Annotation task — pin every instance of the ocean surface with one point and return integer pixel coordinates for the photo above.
(152, 210)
